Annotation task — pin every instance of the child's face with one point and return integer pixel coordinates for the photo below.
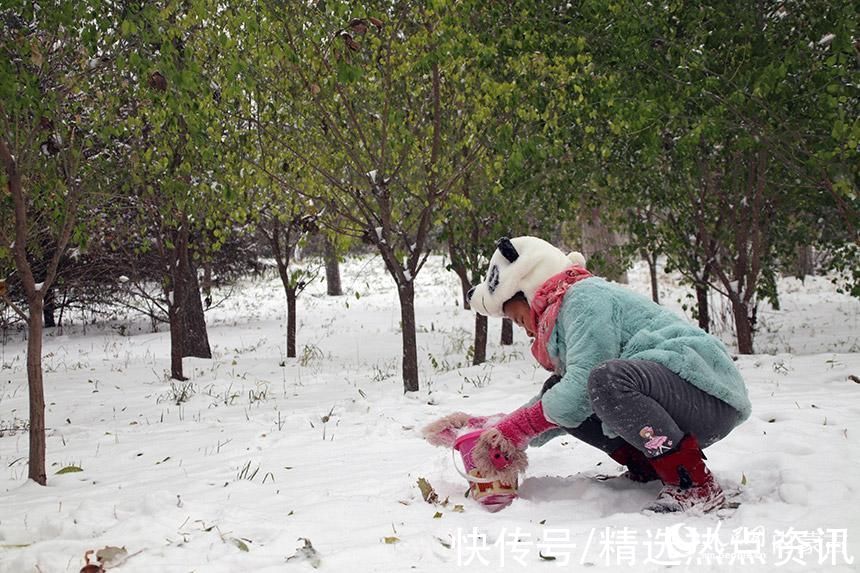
(518, 310)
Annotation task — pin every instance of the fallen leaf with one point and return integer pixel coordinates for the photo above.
(437, 515)
(427, 491)
(69, 470)
(390, 540)
(306, 553)
(458, 509)
(240, 544)
(111, 556)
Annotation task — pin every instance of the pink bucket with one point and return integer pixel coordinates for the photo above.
(494, 495)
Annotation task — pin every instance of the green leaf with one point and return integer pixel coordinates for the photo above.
(127, 27)
(347, 73)
(69, 470)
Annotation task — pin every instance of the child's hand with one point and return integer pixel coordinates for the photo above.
(524, 424)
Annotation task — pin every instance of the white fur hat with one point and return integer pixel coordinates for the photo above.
(519, 264)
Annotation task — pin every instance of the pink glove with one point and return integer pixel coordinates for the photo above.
(524, 424)
(499, 454)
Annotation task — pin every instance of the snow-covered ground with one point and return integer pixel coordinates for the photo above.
(267, 452)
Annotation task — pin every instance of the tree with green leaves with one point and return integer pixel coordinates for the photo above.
(526, 182)
(284, 218)
(56, 70)
(176, 58)
(367, 99)
(734, 105)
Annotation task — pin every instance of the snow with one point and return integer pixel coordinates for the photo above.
(826, 39)
(326, 448)
(372, 176)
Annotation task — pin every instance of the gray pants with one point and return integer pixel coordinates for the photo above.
(649, 407)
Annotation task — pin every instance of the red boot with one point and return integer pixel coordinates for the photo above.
(687, 482)
(639, 468)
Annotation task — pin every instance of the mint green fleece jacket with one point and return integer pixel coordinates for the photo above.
(600, 321)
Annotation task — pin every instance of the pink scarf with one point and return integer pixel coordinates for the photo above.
(545, 308)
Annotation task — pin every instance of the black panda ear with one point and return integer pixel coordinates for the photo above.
(507, 249)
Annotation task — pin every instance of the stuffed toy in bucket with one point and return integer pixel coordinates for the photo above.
(460, 432)
(493, 494)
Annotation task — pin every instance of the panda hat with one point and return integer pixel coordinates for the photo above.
(519, 264)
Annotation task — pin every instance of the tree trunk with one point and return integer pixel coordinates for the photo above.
(507, 332)
(175, 320)
(207, 283)
(465, 284)
(803, 262)
(195, 340)
(283, 253)
(599, 245)
(178, 279)
(291, 322)
(652, 272)
(406, 293)
(703, 312)
(49, 309)
(63, 305)
(480, 355)
(37, 393)
(332, 269)
(743, 326)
